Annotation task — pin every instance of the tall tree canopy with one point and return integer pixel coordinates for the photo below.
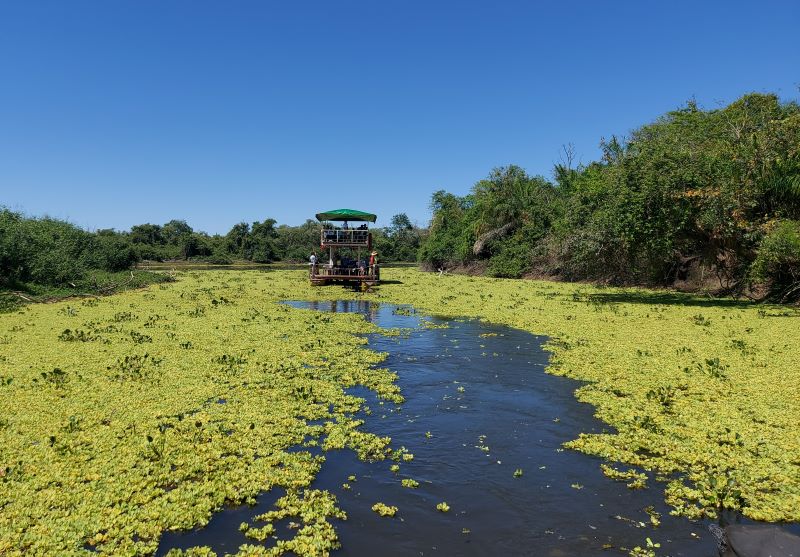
(694, 189)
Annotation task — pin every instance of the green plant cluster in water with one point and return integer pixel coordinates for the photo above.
(702, 393)
(160, 406)
(384, 510)
(106, 445)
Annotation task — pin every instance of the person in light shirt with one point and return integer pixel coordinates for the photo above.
(373, 263)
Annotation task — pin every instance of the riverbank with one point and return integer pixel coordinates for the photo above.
(96, 283)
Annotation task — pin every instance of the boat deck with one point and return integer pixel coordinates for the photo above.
(324, 274)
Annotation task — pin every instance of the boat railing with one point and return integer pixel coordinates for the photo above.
(343, 271)
(344, 236)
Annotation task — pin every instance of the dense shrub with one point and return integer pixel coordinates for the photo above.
(218, 258)
(52, 252)
(10, 246)
(295, 243)
(45, 251)
(778, 261)
(156, 252)
(512, 260)
(449, 236)
(111, 252)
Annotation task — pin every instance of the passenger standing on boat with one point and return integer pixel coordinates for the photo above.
(313, 260)
(373, 263)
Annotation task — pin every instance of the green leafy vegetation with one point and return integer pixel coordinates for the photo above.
(42, 259)
(55, 256)
(52, 252)
(647, 551)
(701, 199)
(778, 261)
(708, 408)
(135, 438)
(110, 443)
(384, 510)
(91, 286)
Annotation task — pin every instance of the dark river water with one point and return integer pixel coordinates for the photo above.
(482, 393)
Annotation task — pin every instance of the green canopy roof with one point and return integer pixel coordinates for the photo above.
(346, 214)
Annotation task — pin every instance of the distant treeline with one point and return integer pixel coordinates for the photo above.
(53, 252)
(700, 199)
(704, 199)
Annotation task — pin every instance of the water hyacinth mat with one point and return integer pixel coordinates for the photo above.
(127, 416)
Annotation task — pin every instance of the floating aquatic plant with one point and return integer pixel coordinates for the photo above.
(647, 551)
(111, 426)
(295, 375)
(633, 479)
(384, 510)
(633, 341)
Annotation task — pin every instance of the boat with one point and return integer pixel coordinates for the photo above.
(347, 252)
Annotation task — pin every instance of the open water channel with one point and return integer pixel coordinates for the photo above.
(482, 393)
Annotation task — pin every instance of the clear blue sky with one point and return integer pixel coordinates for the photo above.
(114, 113)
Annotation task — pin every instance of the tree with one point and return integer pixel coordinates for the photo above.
(147, 234)
(400, 224)
(448, 239)
(509, 200)
(262, 248)
(694, 189)
(175, 232)
(402, 239)
(236, 240)
(294, 243)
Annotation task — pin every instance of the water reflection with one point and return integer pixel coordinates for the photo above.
(368, 309)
